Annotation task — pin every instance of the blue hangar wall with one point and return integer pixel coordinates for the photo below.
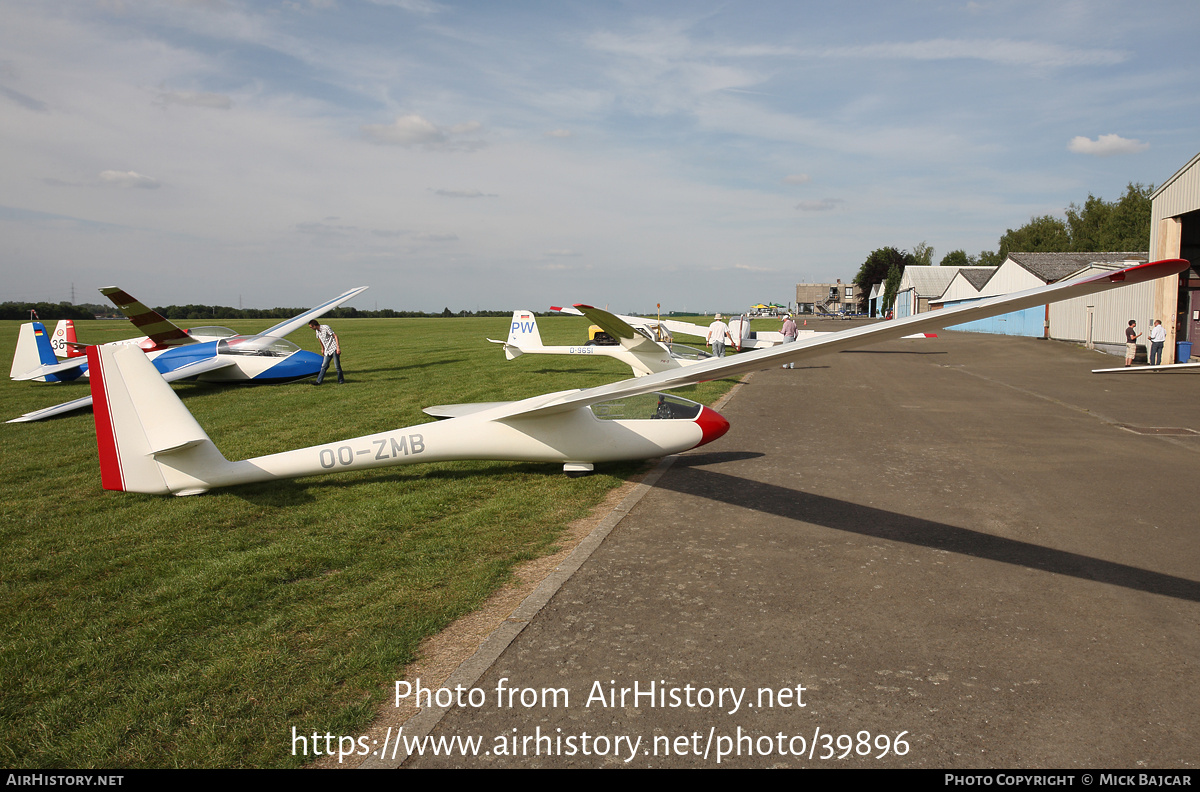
(1030, 322)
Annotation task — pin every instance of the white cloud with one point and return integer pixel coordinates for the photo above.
(824, 205)
(1022, 53)
(426, 7)
(1106, 145)
(129, 179)
(413, 130)
(559, 133)
(324, 228)
(562, 252)
(446, 193)
(409, 130)
(194, 99)
(797, 178)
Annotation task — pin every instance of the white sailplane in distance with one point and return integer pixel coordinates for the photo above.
(645, 345)
(148, 442)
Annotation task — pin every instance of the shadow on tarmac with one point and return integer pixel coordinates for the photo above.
(888, 352)
(867, 521)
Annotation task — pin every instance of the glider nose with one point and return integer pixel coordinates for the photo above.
(712, 425)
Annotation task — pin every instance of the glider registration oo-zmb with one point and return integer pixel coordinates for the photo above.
(148, 442)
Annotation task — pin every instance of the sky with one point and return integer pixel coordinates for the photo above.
(502, 155)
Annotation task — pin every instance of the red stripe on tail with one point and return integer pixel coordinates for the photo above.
(106, 438)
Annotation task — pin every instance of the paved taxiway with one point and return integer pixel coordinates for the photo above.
(953, 538)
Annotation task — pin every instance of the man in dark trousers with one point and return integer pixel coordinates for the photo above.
(331, 349)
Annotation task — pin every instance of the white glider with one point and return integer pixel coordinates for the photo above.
(148, 442)
(635, 347)
(663, 331)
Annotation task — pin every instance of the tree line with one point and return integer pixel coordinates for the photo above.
(1098, 226)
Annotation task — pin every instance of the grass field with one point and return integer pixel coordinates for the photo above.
(142, 631)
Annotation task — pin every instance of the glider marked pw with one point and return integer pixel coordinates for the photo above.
(635, 347)
(209, 354)
(150, 443)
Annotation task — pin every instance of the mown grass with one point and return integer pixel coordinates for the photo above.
(140, 631)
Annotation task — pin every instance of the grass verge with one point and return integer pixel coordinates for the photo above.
(142, 631)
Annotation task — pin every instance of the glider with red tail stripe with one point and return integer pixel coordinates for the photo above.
(148, 443)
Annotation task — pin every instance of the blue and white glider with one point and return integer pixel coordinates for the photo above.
(209, 354)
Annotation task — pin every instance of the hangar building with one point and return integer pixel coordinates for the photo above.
(1066, 321)
(1175, 233)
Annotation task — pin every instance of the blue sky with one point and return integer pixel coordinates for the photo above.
(520, 154)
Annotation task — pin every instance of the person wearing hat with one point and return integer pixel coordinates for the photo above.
(718, 331)
(789, 332)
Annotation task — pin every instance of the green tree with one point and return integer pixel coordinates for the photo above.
(1121, 225)
(875, 270)
(891, 287)
(989, 258)
(959, 258)
(922, 254)
(1045, 234)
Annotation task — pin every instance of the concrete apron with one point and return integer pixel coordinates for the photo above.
(950, 542)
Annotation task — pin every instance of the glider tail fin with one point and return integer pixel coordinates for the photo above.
(147, 439)
(33, 351)
(523, 333)
(65, 344)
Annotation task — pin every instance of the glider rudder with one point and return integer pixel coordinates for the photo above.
(523, 333)
(139, 420)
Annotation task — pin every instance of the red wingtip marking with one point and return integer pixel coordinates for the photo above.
(712, 425)
(581, 306)
(1144, 272)
(106, 439)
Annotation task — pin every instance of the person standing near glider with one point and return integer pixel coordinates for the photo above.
(718, 331)
(331, 348)
(1131, 337)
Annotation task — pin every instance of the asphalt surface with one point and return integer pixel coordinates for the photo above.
(952, 542)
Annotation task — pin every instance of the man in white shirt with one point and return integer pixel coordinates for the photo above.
(1157, 336)
(718, 331)
(331, 349)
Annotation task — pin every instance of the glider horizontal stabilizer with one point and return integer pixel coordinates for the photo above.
(183, 372)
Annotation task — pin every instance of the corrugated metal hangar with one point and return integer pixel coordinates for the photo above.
(1175, 233)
